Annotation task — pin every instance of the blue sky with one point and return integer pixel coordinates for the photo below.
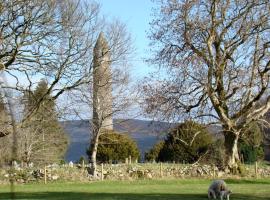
(136, 14)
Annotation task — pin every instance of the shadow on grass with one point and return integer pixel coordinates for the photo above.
(254, 181)
(115, 196)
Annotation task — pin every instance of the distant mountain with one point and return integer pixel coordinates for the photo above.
(145, 133)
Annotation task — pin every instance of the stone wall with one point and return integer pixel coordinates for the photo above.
(72, 172)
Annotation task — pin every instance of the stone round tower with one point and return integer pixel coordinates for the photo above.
(102, 85)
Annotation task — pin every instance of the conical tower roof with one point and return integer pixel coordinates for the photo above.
(102, 43)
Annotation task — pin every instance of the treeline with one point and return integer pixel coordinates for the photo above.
(188, 142)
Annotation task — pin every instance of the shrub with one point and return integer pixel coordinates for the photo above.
(216, 154)
(251, 153)
(115, 147)
(250, 144)
(185, 143)
(82, 160)
(152, 154)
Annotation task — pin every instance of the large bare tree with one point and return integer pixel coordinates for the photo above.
(47, 39)
(214, 61)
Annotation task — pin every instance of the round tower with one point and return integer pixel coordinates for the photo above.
(102, 85)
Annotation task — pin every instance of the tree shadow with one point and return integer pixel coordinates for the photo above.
(114, 196)
(243, 181)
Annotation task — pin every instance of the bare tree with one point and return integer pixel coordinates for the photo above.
(214, 59)
(110, 94)
(47, 39)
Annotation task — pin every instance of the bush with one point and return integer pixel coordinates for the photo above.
(115, 147)
(152, 154)
(185, 143)
(216, 154)
(82, 160)
(250, 153)
(250, 144)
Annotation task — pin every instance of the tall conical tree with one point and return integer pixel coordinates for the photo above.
(5, 134)
(5, 121)
(43, 140)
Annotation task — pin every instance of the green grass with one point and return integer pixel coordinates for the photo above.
(188, 189)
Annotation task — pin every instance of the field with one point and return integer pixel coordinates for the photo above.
(189, 189)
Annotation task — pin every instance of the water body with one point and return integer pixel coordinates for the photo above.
(145, 133)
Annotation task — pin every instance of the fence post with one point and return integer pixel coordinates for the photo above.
(256, 169)
(160, 169)
(102, 171)
(45, 175)
(214, 172)
(129, 159)
(83, 164)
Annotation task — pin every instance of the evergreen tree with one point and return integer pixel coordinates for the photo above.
(115, 147)
(185, 143)
(152, 154)
(251, 143)
(5, 136)
(43, 139)
(5, 122)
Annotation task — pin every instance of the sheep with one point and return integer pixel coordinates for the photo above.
(218, 188)
(225, 194)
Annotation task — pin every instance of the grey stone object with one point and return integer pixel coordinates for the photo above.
(102, 85)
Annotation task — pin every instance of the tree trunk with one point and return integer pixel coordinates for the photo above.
(93, 161)
(231, 150)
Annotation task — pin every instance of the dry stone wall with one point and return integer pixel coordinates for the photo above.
(74, 172)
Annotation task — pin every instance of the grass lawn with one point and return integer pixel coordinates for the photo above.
(189, 189)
